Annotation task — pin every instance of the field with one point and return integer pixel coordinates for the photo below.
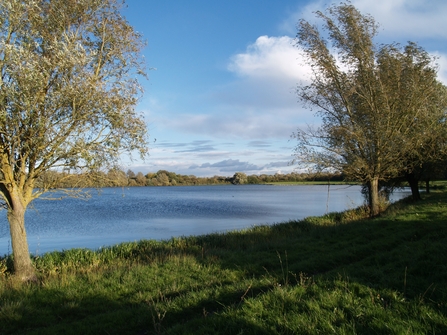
(336, 274)
(293, 183)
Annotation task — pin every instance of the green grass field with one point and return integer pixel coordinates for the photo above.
(295, 183)
(335, 274)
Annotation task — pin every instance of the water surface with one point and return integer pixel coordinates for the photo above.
(118, 215)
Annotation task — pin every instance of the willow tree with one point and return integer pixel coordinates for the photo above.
(377, 104)
(422, 100)
(68, 89)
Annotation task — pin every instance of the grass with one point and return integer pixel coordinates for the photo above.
(335, 274)
(305, 182)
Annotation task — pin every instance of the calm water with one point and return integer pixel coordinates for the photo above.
(130, 214)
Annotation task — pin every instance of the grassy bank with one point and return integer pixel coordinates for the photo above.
(317, 276)
(305, 182)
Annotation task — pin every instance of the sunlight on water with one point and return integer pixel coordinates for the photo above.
(120, 215)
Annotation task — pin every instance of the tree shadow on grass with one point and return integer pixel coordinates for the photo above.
(57, 312)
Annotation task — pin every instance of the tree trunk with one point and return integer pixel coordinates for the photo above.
(414, 185)
(23, 268)
(374, 201)
(427, 185)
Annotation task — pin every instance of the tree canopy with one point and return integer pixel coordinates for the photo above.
(381, 107)
(68, 90)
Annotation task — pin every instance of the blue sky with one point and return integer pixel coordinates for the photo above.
(221, 96)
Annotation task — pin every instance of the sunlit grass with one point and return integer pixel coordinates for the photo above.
(307, 182)
(339, 273)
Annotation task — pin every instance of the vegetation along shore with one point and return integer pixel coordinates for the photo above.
(341, 273)
(119, 178)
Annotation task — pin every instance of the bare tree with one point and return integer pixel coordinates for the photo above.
(376, 103)
(68, 88)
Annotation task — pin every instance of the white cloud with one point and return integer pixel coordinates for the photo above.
(243, 124)
(407, 19)
(270, 57)
(442, 62)
(259, 105)
(231, 166)
(399, 20)
(420, 21)
(268, 72)
(226, 167)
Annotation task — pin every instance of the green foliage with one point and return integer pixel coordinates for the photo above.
(375, 102)
(118, 178)
(69, 88)
(68, 91)
(239, 178)
(339, 273)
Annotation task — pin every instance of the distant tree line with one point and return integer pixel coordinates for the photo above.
(119, 178)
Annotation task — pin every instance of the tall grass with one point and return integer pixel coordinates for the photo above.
(339, 273)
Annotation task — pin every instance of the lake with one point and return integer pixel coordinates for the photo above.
(118, 215)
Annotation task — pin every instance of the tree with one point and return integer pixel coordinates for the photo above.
(163, 178)
(140, 179)
(130, 174)
(68, 90)
(239, 178)
(374, 101)
(413, 88)
(253, 179)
